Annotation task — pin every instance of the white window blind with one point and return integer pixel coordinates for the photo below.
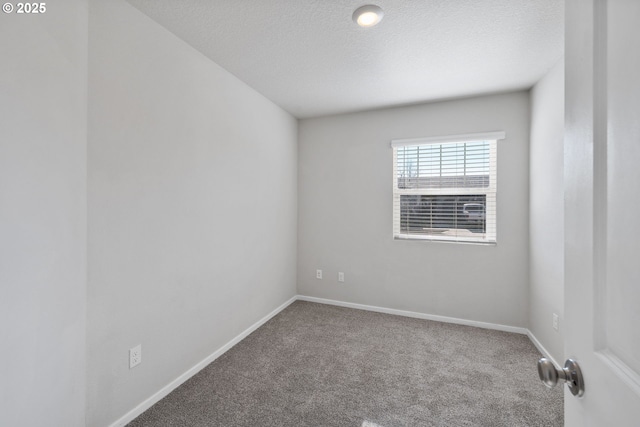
(444, 188)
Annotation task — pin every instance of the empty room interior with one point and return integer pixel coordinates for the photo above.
(319, 213)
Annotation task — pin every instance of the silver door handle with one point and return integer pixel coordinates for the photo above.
(570, 374)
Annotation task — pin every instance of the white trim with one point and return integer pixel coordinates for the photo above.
(622, 370)
(156, 397)
(446, 239)
(541, 348)
(416, 315)
(466, 137)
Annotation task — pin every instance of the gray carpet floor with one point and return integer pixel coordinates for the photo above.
(320, 365)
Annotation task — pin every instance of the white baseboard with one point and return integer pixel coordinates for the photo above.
(156, 397)
(416, 315)
(541, 348)
(437, 318)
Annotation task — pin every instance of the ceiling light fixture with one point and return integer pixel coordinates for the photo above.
(368, 15)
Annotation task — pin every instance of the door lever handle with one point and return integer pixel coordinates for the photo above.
(570, 374)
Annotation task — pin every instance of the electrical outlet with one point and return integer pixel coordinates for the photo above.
(318, 274)
(135, 356)
(341, 277)
(555, 321)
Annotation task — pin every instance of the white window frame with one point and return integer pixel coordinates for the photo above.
(490, 235)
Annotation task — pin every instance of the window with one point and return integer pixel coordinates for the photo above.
(444, 188)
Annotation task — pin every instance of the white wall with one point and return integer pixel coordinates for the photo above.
(192, 207)
(345, 214)
(546, 203)
(43, 81)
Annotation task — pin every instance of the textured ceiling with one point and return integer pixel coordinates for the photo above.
(311, 59)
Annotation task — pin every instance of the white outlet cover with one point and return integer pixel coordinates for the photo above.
(340, 277)
(318, 274)
(135, 356)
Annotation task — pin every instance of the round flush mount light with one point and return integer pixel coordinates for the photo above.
(368, 15)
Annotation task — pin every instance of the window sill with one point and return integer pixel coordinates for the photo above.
(445, 239)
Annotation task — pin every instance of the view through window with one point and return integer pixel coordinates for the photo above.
(444, 189)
